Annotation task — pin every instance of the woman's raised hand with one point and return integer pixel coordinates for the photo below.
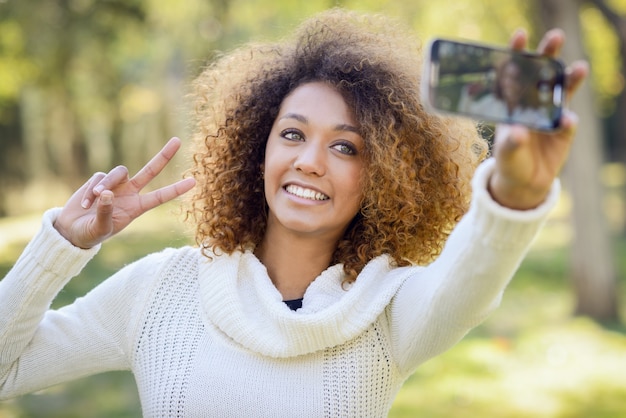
(528, 161)
(107, 203)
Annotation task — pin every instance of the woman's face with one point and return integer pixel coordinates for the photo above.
(313, 164)
(511, 83)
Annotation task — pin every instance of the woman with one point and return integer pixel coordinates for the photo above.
(324, 196)
(513, 99)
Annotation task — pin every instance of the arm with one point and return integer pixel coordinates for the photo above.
(40, 347)
(439, 304)
(469, 102)
(32, 341)
(512, 195)
(28, 289)
(30, 337)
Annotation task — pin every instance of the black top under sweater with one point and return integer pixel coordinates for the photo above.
(294, 304)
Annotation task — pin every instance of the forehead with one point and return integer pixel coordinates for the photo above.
(319, 101)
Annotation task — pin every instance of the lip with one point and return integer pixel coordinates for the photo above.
(308, 189)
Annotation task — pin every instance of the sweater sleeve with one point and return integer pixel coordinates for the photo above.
(41, 347)
(439, 304)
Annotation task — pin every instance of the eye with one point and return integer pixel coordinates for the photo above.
(346, 148)
(292, 135)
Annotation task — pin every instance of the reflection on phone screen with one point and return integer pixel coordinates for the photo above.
(496, 85)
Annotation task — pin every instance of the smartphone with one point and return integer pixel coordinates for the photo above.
(493, 84)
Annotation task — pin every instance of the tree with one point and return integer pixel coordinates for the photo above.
(88, 85)
(592, 264)
(617, 122)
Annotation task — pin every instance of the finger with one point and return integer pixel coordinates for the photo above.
(569, 123)
(112, 179)
(509, 138)
(551, 43)
(156, 164)
(575, 75)
(167, 193)
(519, 40)
(88, 196)
(104, 220)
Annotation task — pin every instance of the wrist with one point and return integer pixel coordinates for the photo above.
(65, 233)
(515, 196)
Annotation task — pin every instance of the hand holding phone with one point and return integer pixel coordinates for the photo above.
(494, 84)
(528, 160)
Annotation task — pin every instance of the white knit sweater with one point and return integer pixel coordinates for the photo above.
(214, 339)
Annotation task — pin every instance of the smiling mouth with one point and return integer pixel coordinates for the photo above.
(305, 193)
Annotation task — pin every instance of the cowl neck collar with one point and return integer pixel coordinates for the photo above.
(239, 298)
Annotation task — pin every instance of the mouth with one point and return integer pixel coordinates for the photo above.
(305, 193)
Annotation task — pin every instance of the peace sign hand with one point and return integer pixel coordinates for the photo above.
(107, 203)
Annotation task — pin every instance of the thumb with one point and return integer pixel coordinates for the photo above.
(508, 139)
(104, 215)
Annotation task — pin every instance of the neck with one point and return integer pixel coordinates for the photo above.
(294, 263)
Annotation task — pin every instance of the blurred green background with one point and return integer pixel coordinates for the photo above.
(89, 84)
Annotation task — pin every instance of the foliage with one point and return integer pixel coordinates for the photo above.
(89, 84)
(602, 46)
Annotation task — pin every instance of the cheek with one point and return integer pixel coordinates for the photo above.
(273, 169)
(355, 188)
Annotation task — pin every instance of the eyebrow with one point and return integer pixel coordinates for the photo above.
(342, 127)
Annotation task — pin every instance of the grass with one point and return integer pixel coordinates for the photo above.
(532, 358)
(574, 369)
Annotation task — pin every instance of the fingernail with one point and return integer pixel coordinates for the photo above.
(106, 199)
(98, 189)
(85, 204)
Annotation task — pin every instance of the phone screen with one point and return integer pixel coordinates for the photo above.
(495, 84)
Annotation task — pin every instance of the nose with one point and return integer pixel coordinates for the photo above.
(311, 159)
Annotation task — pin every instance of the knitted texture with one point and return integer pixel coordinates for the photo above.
(164, 356)
(368, 359)
(212, 338)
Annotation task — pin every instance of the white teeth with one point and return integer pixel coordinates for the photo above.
(305, 193)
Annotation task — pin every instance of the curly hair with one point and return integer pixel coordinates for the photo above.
(419, 164)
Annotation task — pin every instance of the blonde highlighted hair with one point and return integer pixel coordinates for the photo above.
(419, 164)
